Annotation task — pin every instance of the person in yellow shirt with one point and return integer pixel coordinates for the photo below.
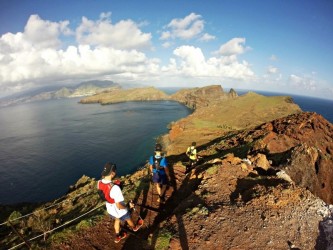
(191, 153)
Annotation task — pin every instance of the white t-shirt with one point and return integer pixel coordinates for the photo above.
(116, 194)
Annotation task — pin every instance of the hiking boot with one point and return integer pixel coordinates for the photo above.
(120, 236)
(138, 225)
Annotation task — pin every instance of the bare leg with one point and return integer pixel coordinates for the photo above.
(130, 222)
(163, 188)
(117, 226)
(159, 192)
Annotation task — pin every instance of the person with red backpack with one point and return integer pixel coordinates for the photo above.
(114, 200)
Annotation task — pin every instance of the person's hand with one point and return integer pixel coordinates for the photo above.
(131, 204)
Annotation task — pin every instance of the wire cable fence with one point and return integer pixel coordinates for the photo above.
(45, 208)
(58, 227)
(8, 222)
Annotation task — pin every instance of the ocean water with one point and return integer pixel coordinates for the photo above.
(47, 146)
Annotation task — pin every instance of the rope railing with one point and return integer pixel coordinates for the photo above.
(8, 222)
(56, 228)
(45, 208)
(53, 205)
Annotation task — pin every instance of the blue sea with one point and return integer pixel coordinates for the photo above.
(47, 146)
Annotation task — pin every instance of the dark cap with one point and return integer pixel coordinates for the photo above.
(158, 147)
(108, 168)
(194, 143)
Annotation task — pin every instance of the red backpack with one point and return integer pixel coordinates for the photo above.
(105, 188)
(104, 191)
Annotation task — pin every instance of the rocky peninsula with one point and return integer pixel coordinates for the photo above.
(264, 181)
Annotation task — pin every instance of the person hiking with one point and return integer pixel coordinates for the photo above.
(191, 153)
(115, 205)
(159, 170)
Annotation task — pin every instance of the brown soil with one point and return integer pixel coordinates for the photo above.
(225, 203)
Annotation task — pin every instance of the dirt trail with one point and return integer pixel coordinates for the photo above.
(101, 236)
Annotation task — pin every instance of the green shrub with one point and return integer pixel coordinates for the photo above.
(212, 170)
(14, 215)
(163, 240)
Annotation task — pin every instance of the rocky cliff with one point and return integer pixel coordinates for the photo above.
(265, 186)
(202, 97)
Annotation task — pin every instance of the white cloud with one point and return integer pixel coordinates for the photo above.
(272, 70)
(191, 62)
(123, 35)
(38, 34)
(207, 37)
(166, 45)
(28, 58)
(302, 83)
(44, 34)
(187, 28)
(233, 47)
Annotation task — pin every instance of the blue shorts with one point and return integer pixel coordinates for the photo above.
(124, 217)
(160, 178)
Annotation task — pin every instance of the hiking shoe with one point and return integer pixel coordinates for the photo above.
(138, 225)
(120, 236)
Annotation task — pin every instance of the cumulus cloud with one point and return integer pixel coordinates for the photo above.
(102, 48)
(233, 47)
(107, 50)
(272, 70)
(303, 83)
(187, 28)
(207, 37)
(190, 61)
(166, 44)
(31, 38)
(123, 35)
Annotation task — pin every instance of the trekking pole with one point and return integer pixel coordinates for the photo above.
(148, 208)
(136, 210)
(151, 199)
(25, 242)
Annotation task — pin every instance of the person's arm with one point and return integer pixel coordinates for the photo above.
(120, 205)
(118, 197)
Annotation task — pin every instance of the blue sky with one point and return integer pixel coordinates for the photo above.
(280, 46)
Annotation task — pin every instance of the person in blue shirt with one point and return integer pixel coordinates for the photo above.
(159, 170)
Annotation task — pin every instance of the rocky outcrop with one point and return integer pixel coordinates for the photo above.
(302, 145)
(201, 97)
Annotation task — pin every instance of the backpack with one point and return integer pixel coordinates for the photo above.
(103, 190)
(190, 152)
(157, 163)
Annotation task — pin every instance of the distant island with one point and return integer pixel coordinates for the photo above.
(82, 89)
